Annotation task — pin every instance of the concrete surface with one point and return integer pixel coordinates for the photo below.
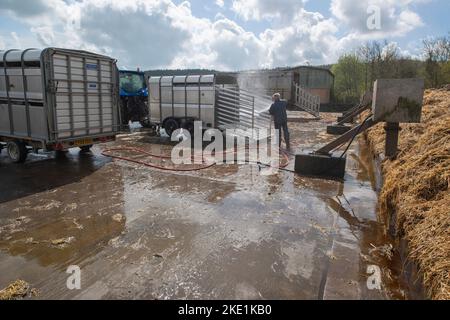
(224, 233)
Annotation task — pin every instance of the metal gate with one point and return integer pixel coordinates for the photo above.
(241, 109)
(306, 101)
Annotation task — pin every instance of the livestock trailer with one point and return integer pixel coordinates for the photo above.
(56, 99)
(177, 101)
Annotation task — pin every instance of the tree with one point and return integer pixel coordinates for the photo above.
(437, 56)
(349, 78)
(380, 61)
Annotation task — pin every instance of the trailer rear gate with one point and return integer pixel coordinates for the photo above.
(78, 100)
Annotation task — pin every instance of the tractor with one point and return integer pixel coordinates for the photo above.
(133, 98)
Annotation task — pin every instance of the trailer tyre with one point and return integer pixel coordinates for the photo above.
(189, 126)
(17, 151)
(170, 126)
(145, 123)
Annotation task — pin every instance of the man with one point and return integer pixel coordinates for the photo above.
(278, 112)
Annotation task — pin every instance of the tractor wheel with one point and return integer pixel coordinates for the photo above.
(17, 151)
(170, 126)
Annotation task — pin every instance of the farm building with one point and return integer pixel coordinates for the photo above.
(317, 81)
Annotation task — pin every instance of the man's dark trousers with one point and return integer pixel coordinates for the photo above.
(283, 127)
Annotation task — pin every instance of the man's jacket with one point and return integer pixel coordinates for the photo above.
(278, 111)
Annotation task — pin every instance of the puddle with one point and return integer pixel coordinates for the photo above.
(227, 232)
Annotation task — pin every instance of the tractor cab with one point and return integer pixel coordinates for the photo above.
(133, 97)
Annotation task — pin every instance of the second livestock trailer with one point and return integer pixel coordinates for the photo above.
(56, 99)
(177, 101)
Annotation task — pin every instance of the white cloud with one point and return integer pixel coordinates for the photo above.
(267, 9)
(161, 34)
(220, 3)
(397, 18)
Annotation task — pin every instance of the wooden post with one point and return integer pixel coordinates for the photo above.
(392, 131)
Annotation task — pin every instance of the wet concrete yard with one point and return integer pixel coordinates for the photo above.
(226, 232)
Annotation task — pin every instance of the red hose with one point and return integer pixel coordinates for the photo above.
(107, 152)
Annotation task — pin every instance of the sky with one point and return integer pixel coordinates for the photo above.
(220, 34)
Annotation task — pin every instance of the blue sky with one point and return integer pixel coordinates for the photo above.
(221, 34)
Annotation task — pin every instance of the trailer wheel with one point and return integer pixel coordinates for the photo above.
(189, 126)
(145, 123)
(170, 126)
(17, 151)
(86, 148)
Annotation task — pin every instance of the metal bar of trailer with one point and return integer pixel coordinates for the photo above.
(86, 128)
(25, 89)
(100, 93)
(228, 112)
(7, 87)
(173, 104)
(84, 81)
(50, 92)
(233, 97)
(185, 97)
(244, 104)
(37, 103)
(242, 113)
(160, 102)
(199, 97)
(223, 101)
(79, 54)
(253, 114)
(235, 93)
(228, 107)
(69, 84)
(76, 94)
(86, 103)
(232, 118)
(229, 100)
(250, 96)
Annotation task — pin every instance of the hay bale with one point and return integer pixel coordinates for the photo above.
(416, 190)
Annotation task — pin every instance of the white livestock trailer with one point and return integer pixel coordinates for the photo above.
(177, 101)
(56, 99)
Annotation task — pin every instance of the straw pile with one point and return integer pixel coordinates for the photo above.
(416, 190)
(17, 290)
